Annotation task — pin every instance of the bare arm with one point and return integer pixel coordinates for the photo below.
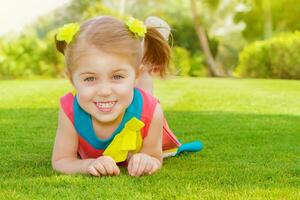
(152, 143)
(149, 159)
(64, 155)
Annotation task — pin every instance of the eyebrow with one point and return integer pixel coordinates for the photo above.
(87, 73)
(114, 71)
(118, 70)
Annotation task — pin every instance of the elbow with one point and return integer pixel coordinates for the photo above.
(54, 165)
(57, 166)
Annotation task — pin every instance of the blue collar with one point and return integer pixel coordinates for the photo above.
(84, 126)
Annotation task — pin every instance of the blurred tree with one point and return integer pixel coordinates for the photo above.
(267, 18)
(214, 68)
(227, 31)
(218, 19)
(227, 26)
(267, 10)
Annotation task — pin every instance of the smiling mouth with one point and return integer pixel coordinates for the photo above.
(106, 106)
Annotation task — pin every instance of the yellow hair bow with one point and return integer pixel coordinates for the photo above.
(129, 139)
(67, 32)
(137, 27)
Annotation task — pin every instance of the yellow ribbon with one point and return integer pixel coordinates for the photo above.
(129, 139)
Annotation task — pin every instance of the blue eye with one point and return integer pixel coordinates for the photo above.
(117, 77)
(89, 79)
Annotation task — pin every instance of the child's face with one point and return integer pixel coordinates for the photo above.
(104, 84)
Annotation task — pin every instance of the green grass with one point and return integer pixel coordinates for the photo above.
(250, 130)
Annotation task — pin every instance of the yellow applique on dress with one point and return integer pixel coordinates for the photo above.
(129, 139)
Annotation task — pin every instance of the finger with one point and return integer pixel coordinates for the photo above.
(130, 163)
(135, 165)
(101, 168)
(148, 167)
(113, 164)
(155, 167)
(116, 169)
(142, 166)
(93, 171)
(108, 167)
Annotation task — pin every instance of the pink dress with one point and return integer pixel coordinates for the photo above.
(141, 107)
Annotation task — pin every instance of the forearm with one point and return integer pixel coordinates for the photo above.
(71, 165)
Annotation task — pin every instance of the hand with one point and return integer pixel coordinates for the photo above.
(103, 166)
(140, 164)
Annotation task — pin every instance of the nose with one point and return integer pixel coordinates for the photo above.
(104, 89)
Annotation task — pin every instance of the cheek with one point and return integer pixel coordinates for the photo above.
(125, 92)
(84, 93)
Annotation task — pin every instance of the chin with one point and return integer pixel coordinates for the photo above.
(107, 118)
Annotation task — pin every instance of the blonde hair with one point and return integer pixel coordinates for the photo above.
(112, 36)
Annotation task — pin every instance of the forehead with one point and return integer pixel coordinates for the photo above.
(96, 60)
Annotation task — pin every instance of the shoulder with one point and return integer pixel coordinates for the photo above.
(149, 102)
(147, 95)
(66, 103)
(65, 127)
(156, 125)
(67, 98)
(149, 106)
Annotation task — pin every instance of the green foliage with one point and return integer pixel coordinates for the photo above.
(185, 64)
(278, 57)
(283, 20)
(197, 65)
(223, 20)
(180, 61)
(44, 60)
(20, 57)
(183, 30)
(27, 56)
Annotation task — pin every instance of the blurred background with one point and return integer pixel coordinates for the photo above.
(219, 38)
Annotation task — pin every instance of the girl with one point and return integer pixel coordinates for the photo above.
(110, 122)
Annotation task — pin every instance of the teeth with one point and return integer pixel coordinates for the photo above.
(105, 105)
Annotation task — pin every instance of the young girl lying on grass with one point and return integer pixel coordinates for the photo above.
(113, 119)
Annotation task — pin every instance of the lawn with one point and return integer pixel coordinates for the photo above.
(250, 130)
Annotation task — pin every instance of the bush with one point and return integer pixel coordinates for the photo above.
(28, 56)
(197, 65)
(278, 57)
(181, 63)
(185, 64)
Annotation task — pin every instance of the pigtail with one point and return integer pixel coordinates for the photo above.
(156, 52)
(60, 45)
